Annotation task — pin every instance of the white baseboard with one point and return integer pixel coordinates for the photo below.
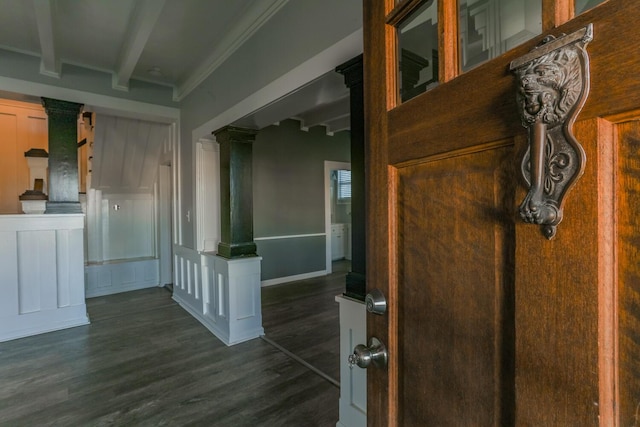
(219, 332)
(122, 276)
(25, 325)
(280, 280)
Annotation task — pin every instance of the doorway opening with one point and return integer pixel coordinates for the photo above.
(337, 212)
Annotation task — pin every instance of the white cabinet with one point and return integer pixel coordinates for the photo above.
(339, 238)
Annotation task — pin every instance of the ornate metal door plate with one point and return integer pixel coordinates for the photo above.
(553, 84)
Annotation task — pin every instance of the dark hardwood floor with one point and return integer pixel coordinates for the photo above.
(303, 317)
(145, 361)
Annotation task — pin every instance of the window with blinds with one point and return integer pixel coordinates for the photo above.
(344, 186)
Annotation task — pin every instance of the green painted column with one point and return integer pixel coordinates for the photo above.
(352, 71)
(236, 192)
(63, 156)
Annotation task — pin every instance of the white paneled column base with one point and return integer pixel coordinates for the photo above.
(41, 274)
(224, 294)
(353, 381)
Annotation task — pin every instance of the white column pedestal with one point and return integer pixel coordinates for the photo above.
(353, 381)
(230, 301)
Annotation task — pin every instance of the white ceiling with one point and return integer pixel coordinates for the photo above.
(176, 43)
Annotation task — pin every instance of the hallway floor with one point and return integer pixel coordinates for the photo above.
(144, 361)
(303, 317)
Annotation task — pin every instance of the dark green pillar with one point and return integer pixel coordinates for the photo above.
(236, 192)
(63, 156)
(352, 71)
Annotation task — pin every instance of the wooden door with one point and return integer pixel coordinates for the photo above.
(489, 322)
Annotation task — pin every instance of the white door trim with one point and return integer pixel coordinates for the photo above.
(328, 167)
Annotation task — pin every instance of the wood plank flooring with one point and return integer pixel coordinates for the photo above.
(304, 318)
(144, 361)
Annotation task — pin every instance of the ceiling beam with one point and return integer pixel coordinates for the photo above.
(250, 22)
(141, 23)
(337, 125)
(49, 62)
(327, 112)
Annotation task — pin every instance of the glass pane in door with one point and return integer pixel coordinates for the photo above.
(489, 28)
(418, 50)
(582, 5)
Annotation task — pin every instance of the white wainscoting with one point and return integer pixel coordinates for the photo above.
(41, 274)
(187, 284)
(223, 294)
(121, 276)
(353, 381)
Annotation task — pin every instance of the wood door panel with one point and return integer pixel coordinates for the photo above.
(629, 273)
(455, 241)
(487, 110)
(489, 322)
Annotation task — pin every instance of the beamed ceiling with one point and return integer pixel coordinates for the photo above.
(175, 43)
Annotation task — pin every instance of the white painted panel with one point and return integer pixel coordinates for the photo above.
(129, 226)
(187, 288)
(30, 259)
(121, 276)
(207, 196)
(8, 273)
(353, 381)
(197, 281)
(149, 271)
(94, 225)
(126, 273)
(64, 264)
(44, 250)
(76, 267)
(222, 312)
(245, 297)
(47, 269)
(104, 278)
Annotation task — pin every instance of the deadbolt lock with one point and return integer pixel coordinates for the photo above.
(376, 302)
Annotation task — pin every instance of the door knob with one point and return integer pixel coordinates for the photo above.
(363, 356)
(376, 302)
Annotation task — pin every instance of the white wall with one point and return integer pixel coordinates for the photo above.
(126, 206)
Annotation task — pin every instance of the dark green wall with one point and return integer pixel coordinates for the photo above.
(288, 195)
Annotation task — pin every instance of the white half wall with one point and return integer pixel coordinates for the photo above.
(41, 274)
(222, 294)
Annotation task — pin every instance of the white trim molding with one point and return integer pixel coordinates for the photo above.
(291, 236)
(294, 278)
